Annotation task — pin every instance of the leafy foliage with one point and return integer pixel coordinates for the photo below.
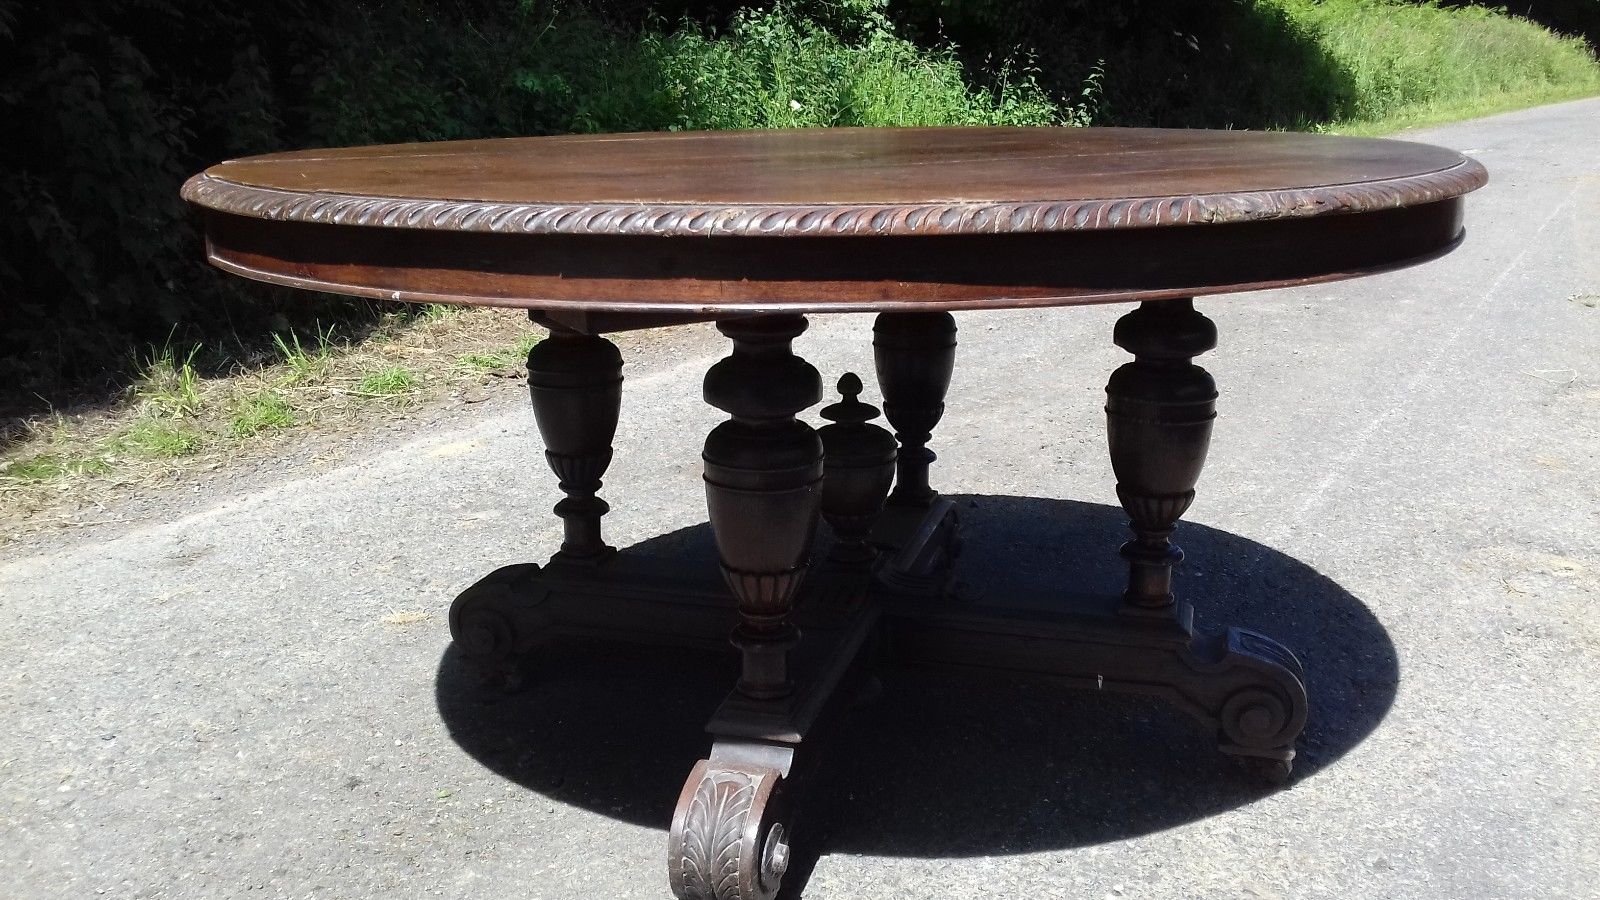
(1166, 63)
(1399, 57)
(1267, 63)
(116, 102)
(1574, 18)
(122, 99)
(111, 103)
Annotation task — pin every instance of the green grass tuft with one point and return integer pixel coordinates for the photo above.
(435, 312)
(306, 365)
(499, 360)
(493, 361)
(525, 344)
(158, 439)
(260, 412)
(390, 382)
(168, 384)
(49, 467)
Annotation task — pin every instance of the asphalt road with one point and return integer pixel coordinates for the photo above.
(253, 696)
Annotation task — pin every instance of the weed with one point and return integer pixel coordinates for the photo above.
(260, 412)
(526, 343)
(168, 385)
(49, 467)
(389, 382)
(157, 439)
(494, 361)
(499, 360)
(435, 312)
(306, 365)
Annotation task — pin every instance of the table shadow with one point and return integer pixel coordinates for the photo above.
(941, 766)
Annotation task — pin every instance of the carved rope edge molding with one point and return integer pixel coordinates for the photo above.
(663, 220)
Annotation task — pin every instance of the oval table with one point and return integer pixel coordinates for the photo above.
(596, 234)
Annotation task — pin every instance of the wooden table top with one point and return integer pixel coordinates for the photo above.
(868, 218)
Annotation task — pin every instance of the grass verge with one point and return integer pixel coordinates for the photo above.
(1406, 65)
(174, 421)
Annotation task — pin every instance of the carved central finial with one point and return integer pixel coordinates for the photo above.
(859, 468)
(850, 410)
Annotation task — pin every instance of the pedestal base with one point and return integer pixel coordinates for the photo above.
(739, 807)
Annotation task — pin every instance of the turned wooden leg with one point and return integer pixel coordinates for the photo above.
(915, 355)
(1159, 410)
(763, 474)
(1249, 688)
(576, 383)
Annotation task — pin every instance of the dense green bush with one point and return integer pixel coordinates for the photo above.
(1400, 57)
(1263, 63)
(1575, 18)
(107, 107)
(110, 104)
(1167, 63)
(555, 70)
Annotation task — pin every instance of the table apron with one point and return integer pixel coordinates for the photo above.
(716, 276)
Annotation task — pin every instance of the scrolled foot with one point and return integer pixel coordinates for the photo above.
(729, 839)
(490, 622)
(1260, 720)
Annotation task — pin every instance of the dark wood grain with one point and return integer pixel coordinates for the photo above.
(874, 181)
(834, 220)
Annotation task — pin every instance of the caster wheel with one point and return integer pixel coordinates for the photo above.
(729, 839)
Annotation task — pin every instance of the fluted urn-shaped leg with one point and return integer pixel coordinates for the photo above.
(1159, 411)
(915, 355)
(576, 383)
(763, 474)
